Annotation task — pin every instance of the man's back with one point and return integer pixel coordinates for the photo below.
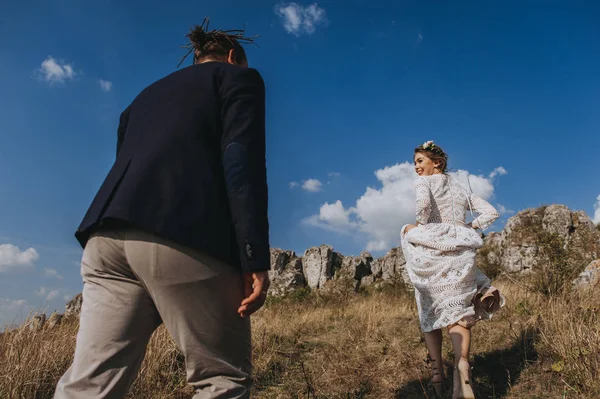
(178, 232)
(190, 164)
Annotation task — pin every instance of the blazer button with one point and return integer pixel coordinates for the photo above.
(249, 253)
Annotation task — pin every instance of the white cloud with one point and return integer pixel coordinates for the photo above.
(105, 85)
(6, 303)
(335, 214)
(298, 19)
(480, 185)
(11, 312)
(503, 210)
(11, 257)
(52, 273)
(596, 217)
(312, 185)
(499, 171)
(51, 295)
(48, 295)
(333, 174)
(67, 297)
(333, 217)
(380, 212)
(419, 39)
(55, 71)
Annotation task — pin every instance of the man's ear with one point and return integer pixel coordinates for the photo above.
(231, 57)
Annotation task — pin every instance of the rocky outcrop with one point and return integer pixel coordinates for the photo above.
(286, 272)
(54, 320)
(318, 265)
(323, 268)
(37, 322)
(73, 307)
(589, 277)
(534, 237)
(391, 267)
(348, 272)
(530, 239)
(356, 267)
(40, 322)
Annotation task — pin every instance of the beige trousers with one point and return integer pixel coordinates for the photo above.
(133, 281)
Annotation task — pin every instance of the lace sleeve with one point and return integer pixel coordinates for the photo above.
(423, 201)
(487, 214)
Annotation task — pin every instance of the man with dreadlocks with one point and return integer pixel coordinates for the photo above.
(178, 232)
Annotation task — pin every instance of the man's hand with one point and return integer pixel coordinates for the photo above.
(256, 285)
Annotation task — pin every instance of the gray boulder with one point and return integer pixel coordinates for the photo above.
(524, 244)
(390, 268)
(318, 265)
(37, 322)
(355, 267)
(589, 277)
(54, 320)
(286, 272)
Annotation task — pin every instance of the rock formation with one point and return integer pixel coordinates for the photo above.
(73, 307)
(37, 322)
(391, 267)
(54, 320)
(323, 268)
(532, 238)
(286, 272)
(589, 277)
(524, 245)
(318, 265)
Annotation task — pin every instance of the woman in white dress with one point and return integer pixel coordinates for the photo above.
(440, 260)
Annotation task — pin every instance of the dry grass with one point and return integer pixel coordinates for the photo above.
(357, 346)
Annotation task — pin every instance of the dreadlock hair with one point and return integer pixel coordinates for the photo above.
(204, 43)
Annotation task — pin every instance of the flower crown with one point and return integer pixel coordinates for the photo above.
(430, 146)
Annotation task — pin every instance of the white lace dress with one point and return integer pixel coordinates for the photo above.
(440, 252)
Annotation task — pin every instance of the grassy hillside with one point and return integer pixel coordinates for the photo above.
(365, 345)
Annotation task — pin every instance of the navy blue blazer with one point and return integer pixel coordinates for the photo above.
(191, 165)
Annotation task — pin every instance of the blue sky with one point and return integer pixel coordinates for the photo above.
(510, 89)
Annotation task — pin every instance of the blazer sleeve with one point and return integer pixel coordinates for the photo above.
(244, 163)
(123, 121)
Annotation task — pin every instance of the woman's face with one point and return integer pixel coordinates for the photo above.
(425, 166)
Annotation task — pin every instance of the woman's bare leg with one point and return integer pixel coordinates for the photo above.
(461, 342)
(433, 340)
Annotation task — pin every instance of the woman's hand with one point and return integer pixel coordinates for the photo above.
(409, 228)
